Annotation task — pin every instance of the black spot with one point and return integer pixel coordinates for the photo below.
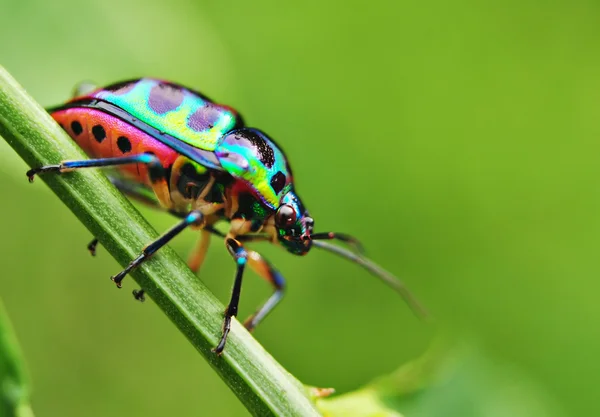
(122, 87)
(124, 144)
(165, 97)
(76, 128)
(205, 117)
(190, 183)
(99, 133)
(278, 182)
(263, 150)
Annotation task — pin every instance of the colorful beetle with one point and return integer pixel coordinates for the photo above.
(178, 150)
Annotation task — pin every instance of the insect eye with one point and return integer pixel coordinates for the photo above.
(285, 216)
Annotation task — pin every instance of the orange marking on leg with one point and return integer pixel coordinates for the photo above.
(260, 266)
(197, 256)
(161, 189)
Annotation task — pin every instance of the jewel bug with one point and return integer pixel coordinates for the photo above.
(177, 150)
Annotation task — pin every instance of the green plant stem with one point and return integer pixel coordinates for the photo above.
(262, 385)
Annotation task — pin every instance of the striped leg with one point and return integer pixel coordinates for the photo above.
(265, 270)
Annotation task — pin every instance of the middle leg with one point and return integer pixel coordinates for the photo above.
(193, 218)
(266, 271)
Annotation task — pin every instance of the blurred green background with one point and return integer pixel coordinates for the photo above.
(458, 139)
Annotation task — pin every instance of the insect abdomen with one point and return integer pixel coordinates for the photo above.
(173, 109)
(101, 135)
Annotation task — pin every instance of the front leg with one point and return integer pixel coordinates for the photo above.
(236, 249)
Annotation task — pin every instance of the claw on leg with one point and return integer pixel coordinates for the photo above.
(92, 246)
(139, 295)
(119, 277)
(240, 255)
(226, 328)
(48, 168)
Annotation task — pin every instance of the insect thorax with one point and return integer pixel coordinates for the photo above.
(193, 186)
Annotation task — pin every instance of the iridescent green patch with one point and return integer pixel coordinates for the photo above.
(175, 111)
(251, 156)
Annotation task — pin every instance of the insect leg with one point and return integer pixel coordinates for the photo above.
(194, 217)
(196, 258)
(241, 238)
(137, 191)
(215, 232)
(156, 169)
(139, 295)
(92, 246)
(263, 268)
(133, 190)
(240, 256)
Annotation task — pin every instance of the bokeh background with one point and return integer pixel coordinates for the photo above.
(459, 140)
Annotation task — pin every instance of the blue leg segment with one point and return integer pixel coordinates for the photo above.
(156, 169)
(263, 268)
(240, 256)
(193, 218)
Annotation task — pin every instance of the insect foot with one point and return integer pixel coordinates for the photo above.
(117, 279)
(225, 332)
(48, 168)
(92, 247)
(139, 295)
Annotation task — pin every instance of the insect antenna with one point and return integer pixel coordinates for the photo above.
(380, 273)
(352, 241)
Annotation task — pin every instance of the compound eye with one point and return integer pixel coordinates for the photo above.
(285, 216)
